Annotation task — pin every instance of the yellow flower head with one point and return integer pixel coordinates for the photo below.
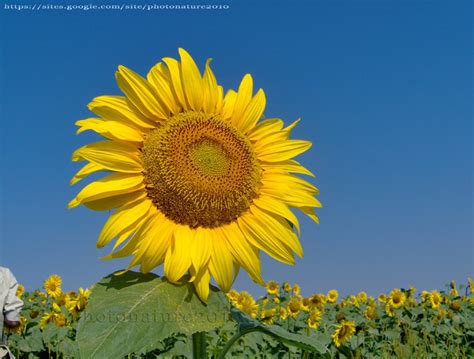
(332, 296)
(318, 301)
(233, 296)
(247, 304)
(314, 319)
(454, 290)
(353, 300)
(390, 310)
(343, 333)
(296, 289)
(294, 306)
(52, 285)
(306, 304)
(455, 305)
(396, 298)
(283, 313)
(470, 285)
(411, 302)
(19, 329)
(425, 296)
(411, 291)
(268, 316)
(435, 299)
(20, 290)
(361, 297)
(82, 298)
(382, 298)
(53, 317)
(72, 307)
(370, 312)
(198, 180)
(286, 287)
(272, 287)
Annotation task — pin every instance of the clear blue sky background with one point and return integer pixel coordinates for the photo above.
(384, 89)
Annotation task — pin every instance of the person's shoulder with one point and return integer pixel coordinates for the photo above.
(5, 271)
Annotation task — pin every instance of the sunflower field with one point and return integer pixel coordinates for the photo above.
(280, 324)
(200, 183)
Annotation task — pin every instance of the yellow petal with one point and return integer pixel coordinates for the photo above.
(291, 166)
(140, 93)
(244, 96)
(220, 265)
(253, 112)
(109, 186)
(220, 99)
(131, 245)
(290, 193)
(290, 127)
(265, 128)
(278, 207)
(256, 233)
(245, 254)
(280, 229)
(211, 91)
(294, 191)
(178, 256)
(228, 104)
(85, 171)
(135, 240)
(113, 130)
(294, 182)
(281, 151)
(126, 234)
(174, 68)
(192, 81)
(201, 284)
(157, 241)
(122, 219)
(111, 155)
(202, 246)
(309, 211)
(109, 203)
(158, 79)
(116, 108)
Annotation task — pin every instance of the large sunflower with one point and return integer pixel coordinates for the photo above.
(197, 180)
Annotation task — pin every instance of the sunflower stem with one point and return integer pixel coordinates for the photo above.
(232, 340)
(199, 345)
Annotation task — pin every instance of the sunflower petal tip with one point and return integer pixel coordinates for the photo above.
(183, 51)
(120, 272)
(73, 203)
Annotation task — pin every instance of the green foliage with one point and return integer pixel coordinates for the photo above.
(248, 325)
(417, 327)
(134, 313)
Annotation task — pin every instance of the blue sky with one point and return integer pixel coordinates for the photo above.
(384, 90)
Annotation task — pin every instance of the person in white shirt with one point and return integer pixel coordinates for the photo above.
(10, 304)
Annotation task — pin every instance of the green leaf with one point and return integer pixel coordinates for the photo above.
(248, 324)
(35, 339)
(134, 312)
(68, 348)
(50, 333)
